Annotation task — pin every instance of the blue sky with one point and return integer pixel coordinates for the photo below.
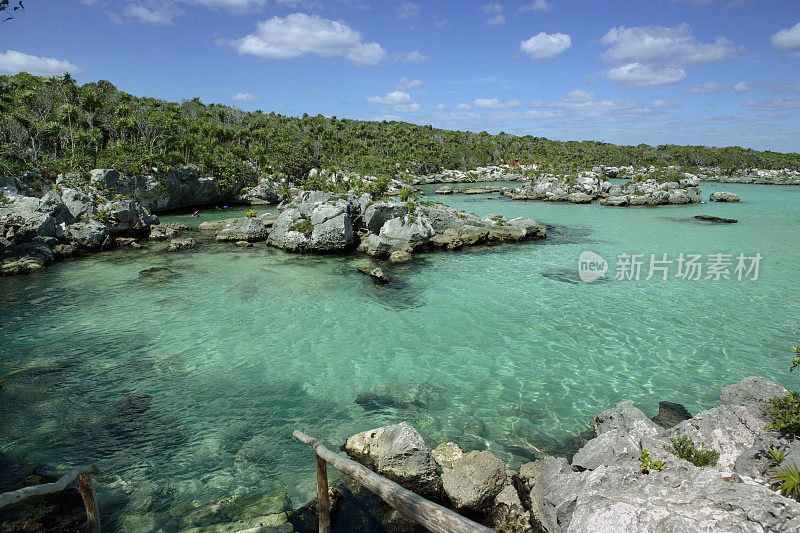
(714, 72)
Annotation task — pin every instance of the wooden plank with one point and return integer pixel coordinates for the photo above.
(424, 512)
(14, 497)
(323, 499)
(86, 486)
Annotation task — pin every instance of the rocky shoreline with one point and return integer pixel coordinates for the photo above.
(67, 222)
(607, 486)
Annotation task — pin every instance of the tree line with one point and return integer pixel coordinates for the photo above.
(51, 125)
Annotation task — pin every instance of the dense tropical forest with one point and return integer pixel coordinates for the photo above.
(52, 125)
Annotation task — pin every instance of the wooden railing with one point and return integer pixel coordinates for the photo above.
(429, 515)
(85, 484)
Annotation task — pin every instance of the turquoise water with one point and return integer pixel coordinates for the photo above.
(496, 347)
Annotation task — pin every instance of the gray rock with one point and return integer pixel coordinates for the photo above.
(474, 480)
(399, 453)
(507, 513)
(262, 194)
(623, 417)
(445, 453)
(25, 258)
(723, 196)
(414, 230)
(87, 235)
(169, 230)
(376, 215)
(753, 393)
(375, 273)
(284, 236)
(184, 243)
(579, 198)
(333, 229)
(79, 204)
(549, 488)
(248, 229)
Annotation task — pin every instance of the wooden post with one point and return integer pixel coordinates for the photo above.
(429, 515)
(86, 486)
(323, 500)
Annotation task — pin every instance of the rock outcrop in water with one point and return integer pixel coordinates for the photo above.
(724, 196)
(35, 232)
(605, 487)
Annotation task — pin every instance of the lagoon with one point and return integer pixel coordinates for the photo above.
(498, 348)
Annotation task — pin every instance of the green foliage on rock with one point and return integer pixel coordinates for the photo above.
(250, 213)
(53, 125)
(304, 226)
(684, 447)
(649, 464)
(789, 478)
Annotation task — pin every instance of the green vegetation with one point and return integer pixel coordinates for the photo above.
(407, 194)
(648, 463)
(784, 411)
(789, 477)
(661, 175)
(3, 199)
(52, 125)
(684, 447)
(250, 213)
(102, 216)
(304, 226)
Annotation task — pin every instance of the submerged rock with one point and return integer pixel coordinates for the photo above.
(712, 218)
(670, 414)
(157, 273)
(375, 273)
(185, 243)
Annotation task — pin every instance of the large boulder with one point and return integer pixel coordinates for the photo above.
(414, 230)
(127, 216)
(262, 194)
(723, 196)
(79, 204)
(377, 214)
(25, 258)
(753, 393)
(474, 480)
(249, 229)
(87, 235)
(333, 229)
(399, 453)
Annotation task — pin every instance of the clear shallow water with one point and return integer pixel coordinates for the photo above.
(489, 347)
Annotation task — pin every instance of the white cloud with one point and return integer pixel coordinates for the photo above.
(414, 56)
(579, 96)
(742, 87)
(776, 104)
(408, 10)
(387, 117)
(239, 6)
(541, 6)
(639, 76)
(13, 62)
(676, 47)
(243, 97)
(151, 12)
(463, 107)
(544, 46)
(407, 108)
(300, 34)
(392, 98)
(408, 83)
(494, 103)
(495, 12)
(708, 88)
(787, 40)
(783, 86)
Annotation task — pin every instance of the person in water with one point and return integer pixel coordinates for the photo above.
(196, 214)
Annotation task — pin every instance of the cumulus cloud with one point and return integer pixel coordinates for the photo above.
(494, 103)
(407, 108)
(408, 83)
(300, 34)
(542, 6)
(708, 88)
(392, 98)
(638, 76)
(742, 87)
(240, 6)
(677, 47)
(14, 62)
(243, 97)
(787, 40)
(544, 46)
(414, 56)
(463, 107)
(495, 12)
